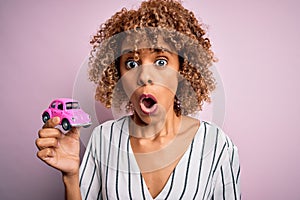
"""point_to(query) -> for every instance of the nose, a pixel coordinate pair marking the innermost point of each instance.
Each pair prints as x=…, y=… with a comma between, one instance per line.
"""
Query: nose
x=145, y=75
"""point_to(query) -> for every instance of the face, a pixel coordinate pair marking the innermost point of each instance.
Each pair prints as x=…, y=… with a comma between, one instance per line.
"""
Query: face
x=150, y=78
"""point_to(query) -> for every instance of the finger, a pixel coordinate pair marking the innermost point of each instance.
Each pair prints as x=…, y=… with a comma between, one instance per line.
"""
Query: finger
x=52, y=122
x=49, y=132
x=43, y=143
x=45, y=154
x=74, y=132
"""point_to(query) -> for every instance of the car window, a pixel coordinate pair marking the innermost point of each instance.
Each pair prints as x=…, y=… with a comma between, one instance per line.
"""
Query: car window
x=53, y=105
x=72, y=105
x=60, y=106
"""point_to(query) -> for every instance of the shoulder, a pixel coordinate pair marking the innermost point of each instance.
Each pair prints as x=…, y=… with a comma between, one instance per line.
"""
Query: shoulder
x=109, y=132
x=110, y=126
x=216, y=141
x=107, y=135
x=213, y=130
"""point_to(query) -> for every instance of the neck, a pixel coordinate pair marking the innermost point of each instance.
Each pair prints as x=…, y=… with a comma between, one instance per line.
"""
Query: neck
x=167, y=126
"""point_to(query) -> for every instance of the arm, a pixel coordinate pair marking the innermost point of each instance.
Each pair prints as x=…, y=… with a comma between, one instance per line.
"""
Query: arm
x=61, y=151
x=228, y=182
x=72, y=191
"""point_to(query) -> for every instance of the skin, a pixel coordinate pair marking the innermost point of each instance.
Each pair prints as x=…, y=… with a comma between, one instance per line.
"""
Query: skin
x=163, y=81
x=161, y=135
x=61, y=151
x=158, y=136
x=155, y=73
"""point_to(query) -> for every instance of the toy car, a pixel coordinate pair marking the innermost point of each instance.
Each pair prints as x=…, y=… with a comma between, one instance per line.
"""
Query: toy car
x=69, y=112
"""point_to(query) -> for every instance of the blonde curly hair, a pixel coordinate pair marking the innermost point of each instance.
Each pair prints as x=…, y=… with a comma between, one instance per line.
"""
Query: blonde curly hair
x=179, y=28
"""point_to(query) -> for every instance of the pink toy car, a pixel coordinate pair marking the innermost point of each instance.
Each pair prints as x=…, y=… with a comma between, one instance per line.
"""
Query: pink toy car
x=69, y=112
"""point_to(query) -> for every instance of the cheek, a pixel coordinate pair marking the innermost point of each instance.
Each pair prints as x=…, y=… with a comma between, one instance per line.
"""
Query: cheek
x=169, y=80
x=126, y=86
x=128, y=81
x=166, y=98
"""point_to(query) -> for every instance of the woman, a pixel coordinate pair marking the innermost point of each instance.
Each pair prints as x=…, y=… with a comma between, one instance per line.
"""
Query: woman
x=154, y=63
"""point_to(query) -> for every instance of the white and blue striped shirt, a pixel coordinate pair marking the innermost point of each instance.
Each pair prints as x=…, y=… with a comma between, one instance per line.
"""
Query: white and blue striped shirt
x=209, y=169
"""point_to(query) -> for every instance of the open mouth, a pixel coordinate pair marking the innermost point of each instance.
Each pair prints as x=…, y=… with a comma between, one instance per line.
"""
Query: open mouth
x=148, y=103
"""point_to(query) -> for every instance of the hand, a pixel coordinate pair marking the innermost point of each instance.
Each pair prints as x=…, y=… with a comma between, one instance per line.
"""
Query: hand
x=59, y=150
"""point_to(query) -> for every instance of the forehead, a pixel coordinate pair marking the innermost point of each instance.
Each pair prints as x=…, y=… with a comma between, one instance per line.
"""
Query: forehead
x=130, y=44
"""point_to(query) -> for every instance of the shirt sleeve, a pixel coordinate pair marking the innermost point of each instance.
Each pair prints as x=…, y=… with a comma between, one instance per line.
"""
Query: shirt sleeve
x=90, y=172
x=227, y=185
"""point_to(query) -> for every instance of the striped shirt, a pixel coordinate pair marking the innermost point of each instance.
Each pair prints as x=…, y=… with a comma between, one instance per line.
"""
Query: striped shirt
x=209, y=169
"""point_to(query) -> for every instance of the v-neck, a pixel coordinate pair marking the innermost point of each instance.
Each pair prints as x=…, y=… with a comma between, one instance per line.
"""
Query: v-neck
x=165, y=190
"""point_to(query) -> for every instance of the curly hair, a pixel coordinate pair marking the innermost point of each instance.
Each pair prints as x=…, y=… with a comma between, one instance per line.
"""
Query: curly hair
x=179, y=28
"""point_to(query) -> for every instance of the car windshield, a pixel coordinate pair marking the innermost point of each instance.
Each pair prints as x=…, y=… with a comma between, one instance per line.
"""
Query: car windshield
x=72, y=105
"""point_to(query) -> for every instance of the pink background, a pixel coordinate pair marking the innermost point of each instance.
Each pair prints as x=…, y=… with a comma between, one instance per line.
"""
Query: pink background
x=42, y=46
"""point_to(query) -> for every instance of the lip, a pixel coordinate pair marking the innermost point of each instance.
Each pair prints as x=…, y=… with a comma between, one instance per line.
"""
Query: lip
x=144, y=109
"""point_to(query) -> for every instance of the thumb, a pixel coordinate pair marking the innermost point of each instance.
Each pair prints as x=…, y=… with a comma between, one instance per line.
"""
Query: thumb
x=52, y=122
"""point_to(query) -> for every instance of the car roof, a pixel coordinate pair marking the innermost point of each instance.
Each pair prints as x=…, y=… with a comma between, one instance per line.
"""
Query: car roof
x=64, y=100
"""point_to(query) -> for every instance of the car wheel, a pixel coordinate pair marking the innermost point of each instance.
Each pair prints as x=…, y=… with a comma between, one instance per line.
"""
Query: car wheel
x=45, y=117
x=65, y=124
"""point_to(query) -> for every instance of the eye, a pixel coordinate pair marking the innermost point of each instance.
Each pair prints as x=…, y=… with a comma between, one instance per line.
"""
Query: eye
x=161, y=62
x=130, y=64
